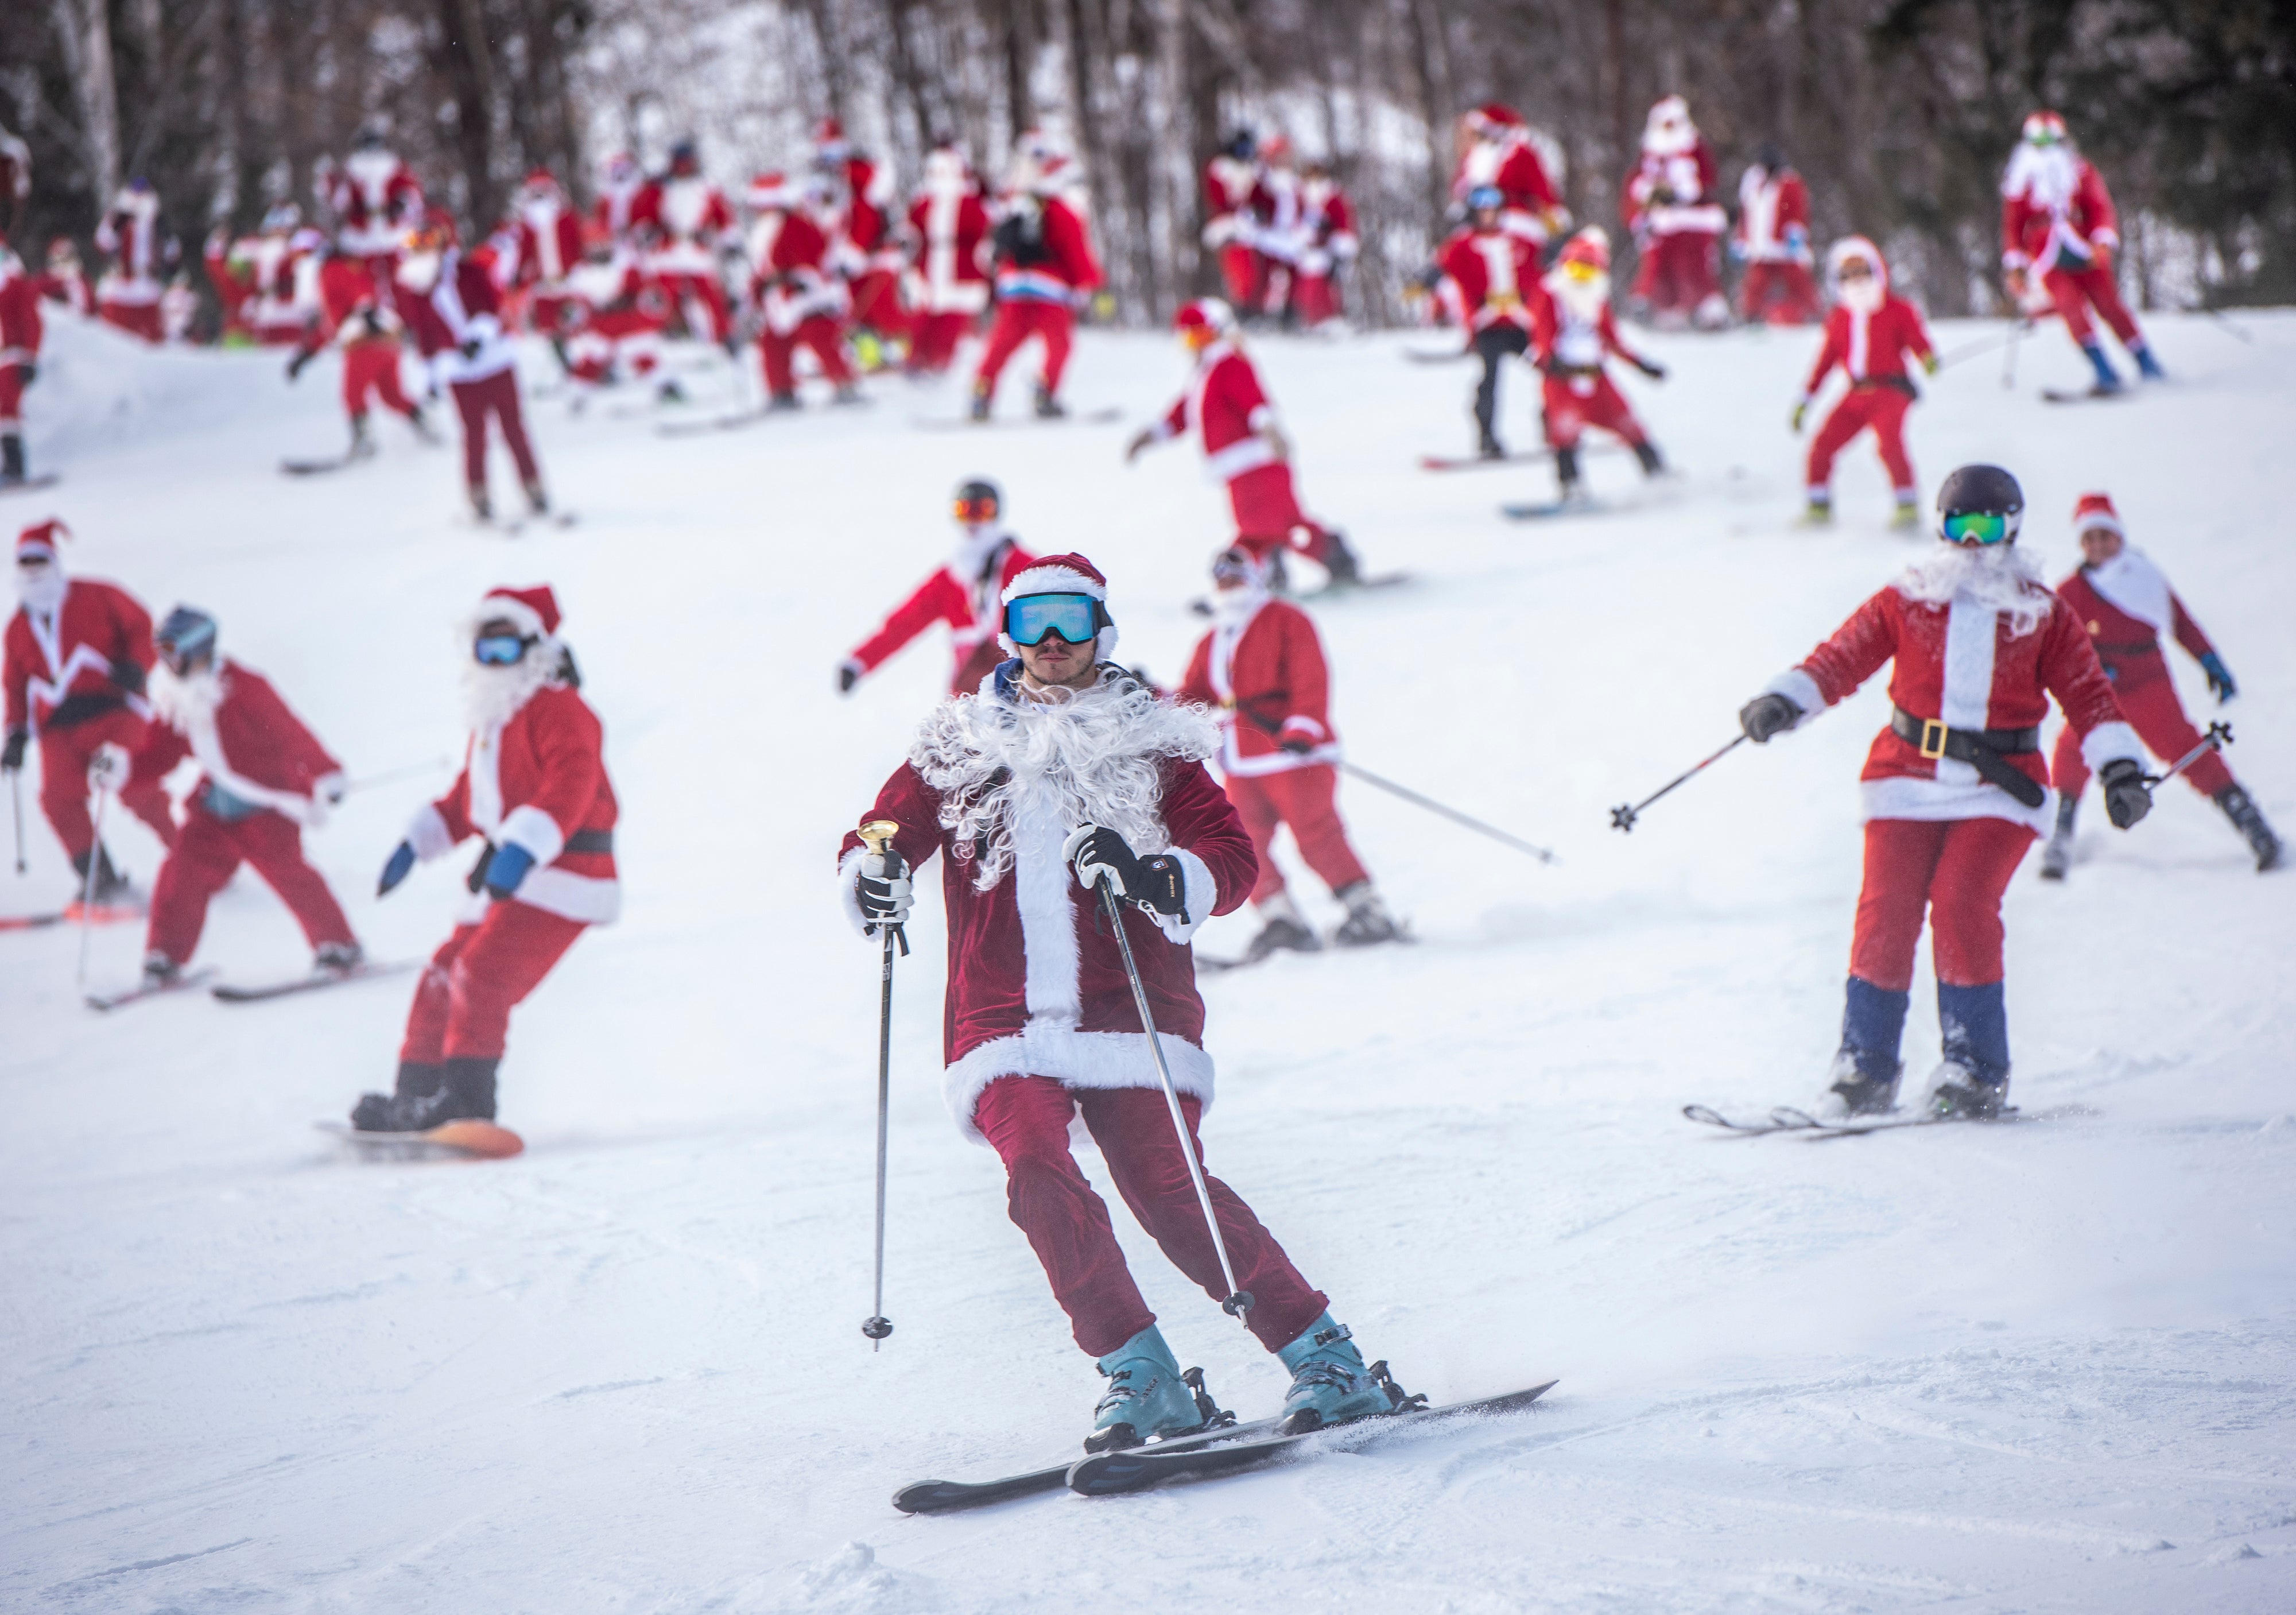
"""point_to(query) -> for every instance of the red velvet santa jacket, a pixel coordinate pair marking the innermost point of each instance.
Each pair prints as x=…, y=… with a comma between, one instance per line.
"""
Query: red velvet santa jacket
x=950, y=225
x=1058, y=266
x=251, y=744
x=536, y=780
x=2043, y=219
x=1672, y=193
x=1035, y=986
x=790, y=277
x=62, y=660
x=1771, y=205
x=1870, y=348
x=1224, y=397
x=1965, y=663
x=549, y=243
x=1527, y=195
x=20, y=329
x=969, y=605
x=681, y=215
x=1487, y=276
x=373, y=198
x=2125, y=604
x=1264, y=673
x=1234, y=201
x=1564, y=338
x=461, y=308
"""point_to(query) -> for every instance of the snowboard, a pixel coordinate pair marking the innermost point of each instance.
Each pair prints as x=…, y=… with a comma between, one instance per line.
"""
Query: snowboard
x=1437, y=355
x=263, y=992
x=1137, y=1469
x=28, y=485
x=1337, y=591
x=183, y=982
x=727, y=422
x=1082, y=417
x=465, y=1140
x=1555, y=507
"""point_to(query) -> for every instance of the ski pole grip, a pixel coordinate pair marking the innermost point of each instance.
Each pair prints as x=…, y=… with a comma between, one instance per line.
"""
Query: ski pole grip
x=878, y=835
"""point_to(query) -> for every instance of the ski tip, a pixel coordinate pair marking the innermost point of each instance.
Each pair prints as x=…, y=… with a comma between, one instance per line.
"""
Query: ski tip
x=1711, y=1116
x=929, y=1496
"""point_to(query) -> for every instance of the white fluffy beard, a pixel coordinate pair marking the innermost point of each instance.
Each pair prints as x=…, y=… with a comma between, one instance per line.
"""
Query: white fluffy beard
x=43, y=594
x=1584, y=298
x=1088, y=757
x=2001, y=576
x=184, y=703
x=491, y=696
x=2050, y=173
x=1232, y=606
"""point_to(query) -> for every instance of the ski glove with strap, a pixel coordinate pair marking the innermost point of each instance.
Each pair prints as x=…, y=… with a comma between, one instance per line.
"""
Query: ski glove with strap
x=1768, y=714
x=507, y=870
x=127, y=676
x=883, y=891
x=2126, y=797
x=1100, y=854
x=400, y=865
x=2220, y=683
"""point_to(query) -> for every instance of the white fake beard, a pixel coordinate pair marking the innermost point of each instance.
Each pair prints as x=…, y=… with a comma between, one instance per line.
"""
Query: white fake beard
x=974, y=547
x=2000, y=577
x=1864, y=295
x=1087, y=757
x=1232, y=606
x=1584, y=298
x=492, y=696
x=419, y=271
x=41, y=596
x=2048, y=174
x=184, y=702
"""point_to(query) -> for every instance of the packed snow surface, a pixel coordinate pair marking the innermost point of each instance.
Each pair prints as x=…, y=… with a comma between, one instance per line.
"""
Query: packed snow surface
x=2042, y=1367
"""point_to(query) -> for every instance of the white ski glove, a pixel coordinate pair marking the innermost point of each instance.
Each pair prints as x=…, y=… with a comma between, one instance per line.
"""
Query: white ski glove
x=109, y=768
x=884, y=894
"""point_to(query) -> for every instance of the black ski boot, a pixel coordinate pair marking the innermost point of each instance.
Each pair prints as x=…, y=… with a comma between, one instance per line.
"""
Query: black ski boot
x=1958, y=1093
x=1490, y=449
x=1860, y=1092
x=2241, y=809
x=1339, y=562
x=1368, y=920
x=1652, y=464
x=2057, y=856
x=1048, y=408
x=782, y=401
x=429, y=1095
x=160, y=970
x=538, y=498
x=1567, y=490
x=111, y=885
x=1284, y=929
x=11, y=459
x=338, y=958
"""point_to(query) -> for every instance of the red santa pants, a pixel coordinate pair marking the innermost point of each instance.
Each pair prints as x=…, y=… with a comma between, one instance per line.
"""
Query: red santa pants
x=1953, y=869
x=686, y=292
x=136, y=319
x=64, y=756
x=498, y=396
x=1017, y=319
x=1304, y=800
x=1269, y=517
x=933, y=340
x=1242, y=273
x=1574, y=403
x=12, y=398
x=2076, y=291
x=1677, y=271
x=1027, y=1119
x=208, y=851
x=1778, y=293
x=370, y=366
x=462, y=1003
x=2148, y=701
x=819, y=332
x=553, y=313
x=1315, y=298
x=1871, y=404
x=877, y=304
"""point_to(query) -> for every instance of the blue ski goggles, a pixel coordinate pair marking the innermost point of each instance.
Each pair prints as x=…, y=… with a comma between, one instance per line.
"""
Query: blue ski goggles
x=1077, y=619
x=499, y=650
x=1979, y=527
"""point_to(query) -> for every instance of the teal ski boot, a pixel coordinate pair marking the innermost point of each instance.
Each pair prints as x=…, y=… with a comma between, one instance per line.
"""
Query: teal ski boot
x=1330, y=1384
x=1148, y=1397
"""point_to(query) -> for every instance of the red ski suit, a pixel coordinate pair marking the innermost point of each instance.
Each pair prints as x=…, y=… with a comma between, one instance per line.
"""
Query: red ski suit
x=375, y=200
x=2125, y=604
x=1668, y=204
x=549, y=247
x=1266, y=676
x=682, y=218
x=801, y=302
x=20, y=331
x=458, y=325
x=361, y=322
x=264, y=776
x=1488, y=279
x=2067, y=235
x=1528, y=200
x=1569, y=349
x=1043, y=277
x=950, y=225
x=1327, y=221
x=1772, y=237
x=1235, y=205
x=1871, y=349
x=1224, y=400
x=969, y=605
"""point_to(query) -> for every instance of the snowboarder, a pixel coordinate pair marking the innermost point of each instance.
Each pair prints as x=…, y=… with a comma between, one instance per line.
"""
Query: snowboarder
x=1573, y=333
x=1496, y=149
x=1262, y=670
x=1954, y=789
x=455, y=314
x=681, y=216
x=963, y=593
x=20, y=332
x=1243, y=445
x=357, y=318
x=128, y=293
x=1045, y=271
x=1772, y=241
x=799, y=301
x=534, y=785
x=1066, y=772
x=1670, y=205
x=2127, y=603
x=949, y=225
x=79, y=655
x=1235, y=206
x=1868, y=333
x=265, y=779
x=1487, y=274
x=2058, y=225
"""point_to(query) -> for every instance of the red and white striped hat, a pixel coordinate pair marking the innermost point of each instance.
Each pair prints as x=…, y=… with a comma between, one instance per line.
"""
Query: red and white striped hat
x=2095, y=510
x=38, y=541
x=1069, y=574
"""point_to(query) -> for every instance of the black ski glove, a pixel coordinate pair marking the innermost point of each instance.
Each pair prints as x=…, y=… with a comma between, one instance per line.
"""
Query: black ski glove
x=2126, y=799
x=469, y=348
x=1654, y=371
x=27, y=372
x=1768, y=714
x=303, y=357
x=12, y=755
x=1100, y=854
x=127, y=676
x=847, y=676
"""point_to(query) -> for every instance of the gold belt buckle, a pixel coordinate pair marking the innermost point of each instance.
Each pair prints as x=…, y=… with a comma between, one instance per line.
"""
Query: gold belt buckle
x=1933, y=734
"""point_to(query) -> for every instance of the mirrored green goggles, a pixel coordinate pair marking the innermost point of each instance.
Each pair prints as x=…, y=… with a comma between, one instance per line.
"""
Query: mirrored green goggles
x=1978, y=526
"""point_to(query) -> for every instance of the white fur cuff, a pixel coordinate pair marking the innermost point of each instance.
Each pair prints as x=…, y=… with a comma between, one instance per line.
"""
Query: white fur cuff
x=535, y=831
x=848, y=888
x=2111, y=742
x=427, y=833
x=1799, y=687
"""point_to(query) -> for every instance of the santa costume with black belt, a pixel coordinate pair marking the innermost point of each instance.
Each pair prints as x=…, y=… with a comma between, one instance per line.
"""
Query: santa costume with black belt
x=1869, y=334
x=1063, y=773
x=456, y=312
x=1954, y=789
x=534, y=786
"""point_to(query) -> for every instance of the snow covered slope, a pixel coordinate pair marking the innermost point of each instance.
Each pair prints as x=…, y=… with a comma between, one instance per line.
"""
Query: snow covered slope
x=2048, y=1367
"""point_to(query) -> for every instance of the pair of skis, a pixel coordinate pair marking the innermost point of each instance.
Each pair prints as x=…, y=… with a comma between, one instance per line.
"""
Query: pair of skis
x=229, y=992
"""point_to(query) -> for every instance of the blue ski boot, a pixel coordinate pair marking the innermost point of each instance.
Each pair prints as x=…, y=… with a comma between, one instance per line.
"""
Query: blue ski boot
x=1147, y=1398
x=2108, y=379
x=2147, y=366
x=1330, y=1384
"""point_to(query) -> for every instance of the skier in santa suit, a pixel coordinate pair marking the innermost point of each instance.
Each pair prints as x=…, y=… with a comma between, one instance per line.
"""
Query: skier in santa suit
x=1496, y=150
x=127, y=293
x=375, y=202
x=950, y=227
x=1328, y=244
x=265, y=780
x=1488, y=274
x=1244, y=447
x=65, y=281
x=78, y=656
x=1065, y=772
x=549, y=247
x=619, y=180
x=1045, y=272
x=1955, y=787
x=1572, y=333
x=357, y=318
x=1772, y=241
x=274, y=276
x=21, y=331
x=455, y=314
x=534, y=787
x=799, y=302
x=1671, y=207
x=2058, y=225
x=1281, y=230
x=963, y=593
x=682, y=215
x=1262, y=670
x=868, y=252
x=1235, y=205
x=225, y=264
x=613, y=316
x=1870, y=333
x=2126, y=603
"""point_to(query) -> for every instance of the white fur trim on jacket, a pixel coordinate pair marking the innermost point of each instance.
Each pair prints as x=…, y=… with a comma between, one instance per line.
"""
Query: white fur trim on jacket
x=1074, y=1059
x=1800, y=688
x=586, y=900
x=1244, y=455
x=427, y=833
x=848, y=888
x=1198, y=893
x=2108, y=744
x=535, y=831
x=1899, y=796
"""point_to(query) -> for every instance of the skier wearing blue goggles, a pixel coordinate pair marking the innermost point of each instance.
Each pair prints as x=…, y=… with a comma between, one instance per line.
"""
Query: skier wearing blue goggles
x=1077, y=619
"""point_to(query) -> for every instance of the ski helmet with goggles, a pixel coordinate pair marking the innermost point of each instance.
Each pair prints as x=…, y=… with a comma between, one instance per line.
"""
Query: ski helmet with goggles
x=188, y=633
x=978, y=502
x=1485, y=196
x=1981, y=504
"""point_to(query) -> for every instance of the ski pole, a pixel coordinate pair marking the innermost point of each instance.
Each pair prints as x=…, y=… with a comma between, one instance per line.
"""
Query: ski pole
x=1623, y=818
x=2218, y=737
x=1542, y=854
x=1969, y=350
x=1239, y=1302
x=2224, y=320
x=878, y=835
x=16, y=796
x=88, y=891
x=2009, y=357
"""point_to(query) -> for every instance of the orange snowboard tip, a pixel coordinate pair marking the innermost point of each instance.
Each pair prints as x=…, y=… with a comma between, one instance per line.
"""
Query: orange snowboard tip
x=480, y=1138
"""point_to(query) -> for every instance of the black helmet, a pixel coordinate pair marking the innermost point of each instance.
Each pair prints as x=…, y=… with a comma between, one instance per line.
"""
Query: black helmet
x=1241, y=145
x=971, y=496
x=1981, y=490
x=1768, y=157
x=187, y=632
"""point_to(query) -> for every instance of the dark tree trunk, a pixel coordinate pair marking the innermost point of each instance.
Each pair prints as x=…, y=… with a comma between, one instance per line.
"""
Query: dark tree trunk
x=465, y=64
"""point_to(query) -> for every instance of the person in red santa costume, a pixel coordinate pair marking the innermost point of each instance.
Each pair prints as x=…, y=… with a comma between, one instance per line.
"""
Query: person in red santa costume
x=799, y=303
x=1045, y=272
x=864, y=244
x=1281, y=235
x=1955, y=787
x=2058, y=225
x=78, y=653
x=2125, y=601
x=549, y=250
x=1870, y=333
x=1244, y=446
x=682, y=215
x=268, y=282
x=534, y=786
x=63, y=280
x=1772, y=240
x=1488, y=276
x=613, y=319
x=128, y=293
x=963, y=593
x=21, y=331
x=1262, y=670
x=1496, y=150
x=1064, y=772
x=1235, y=206
x=456, y=313
x=1327, y=246
x=1670, y=206
x=375, y=200
x=265, y=780
x=949, y=227
x=357, y=318
x=1573, y=333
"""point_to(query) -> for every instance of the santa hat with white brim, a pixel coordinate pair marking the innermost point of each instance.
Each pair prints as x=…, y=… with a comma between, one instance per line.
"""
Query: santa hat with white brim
x=2096, y=510
x=534, y=609
x=1070, y=574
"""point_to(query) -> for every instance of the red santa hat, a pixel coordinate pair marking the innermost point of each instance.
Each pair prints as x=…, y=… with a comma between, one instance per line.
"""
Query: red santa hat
x=534, y=609
x=1857, y=247
x=1069, y=574
x=38, y=541
x=1494, y=118
x=772, y=189
x=1591, y=245
x=2096, y=510
x=1206, y=314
